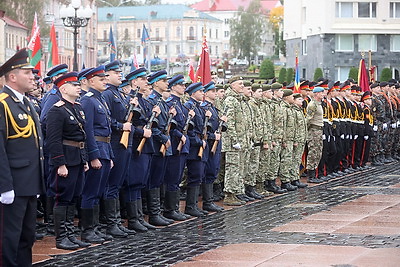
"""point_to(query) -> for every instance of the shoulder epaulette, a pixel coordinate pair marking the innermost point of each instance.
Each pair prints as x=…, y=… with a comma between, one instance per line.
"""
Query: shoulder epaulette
x=59, y=103
x=203, y=104
x=152, y=96
x=89, y=94
x=3, y=96
x=53, y=91
x=169, y=99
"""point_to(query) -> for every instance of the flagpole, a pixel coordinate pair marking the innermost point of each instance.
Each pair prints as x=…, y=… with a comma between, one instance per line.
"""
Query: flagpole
x=148, y=44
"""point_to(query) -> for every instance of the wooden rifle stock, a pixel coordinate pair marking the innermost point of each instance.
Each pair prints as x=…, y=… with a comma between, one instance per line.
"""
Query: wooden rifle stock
x=125, y=135
x=201, y=149
x=147, y=126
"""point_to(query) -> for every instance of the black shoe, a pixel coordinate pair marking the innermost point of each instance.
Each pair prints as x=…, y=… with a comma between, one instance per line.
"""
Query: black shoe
x=207, y=195
x=250, y=192
x=110, y=211
x=314, y=180
x=80, y=243
x=245, y=198
x=39, y=236
x=192, y=195
x=272, y=187
x=288, y=186
x=299, y=184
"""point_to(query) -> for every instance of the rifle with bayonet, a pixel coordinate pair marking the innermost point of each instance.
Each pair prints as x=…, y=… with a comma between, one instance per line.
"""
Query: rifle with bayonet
x=167, y=129
x=185, y=129
x=128, y=118
x=204, y=134
x=148, y=126
x=221, y=128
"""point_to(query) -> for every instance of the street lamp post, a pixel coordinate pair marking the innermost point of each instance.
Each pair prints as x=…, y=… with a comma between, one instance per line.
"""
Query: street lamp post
x=75, y=16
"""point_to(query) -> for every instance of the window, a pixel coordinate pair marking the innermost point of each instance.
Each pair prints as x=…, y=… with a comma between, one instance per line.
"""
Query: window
x=210, y=50
x=304, y=72
x=226, y=47
x=166, y=49
x=395, y=9
x=367, y=10
x=105, y=35
x=209, y=33
x=344, y=9
x=191, y=31
x=304, y=47
x=138, y=33
x=226, y=21
x=191, y=50
x=105, y=50
x=303, y=15
x=216, y=50
x=157, y=49
x=366, y=42
x=178, y=49
x=226, y=33
x=342, y=73
x=344, y=42
x=395, y=43
x=178, y=31
x=157, y=33
x=126, y=33
x=216, y=33
x=138, y=50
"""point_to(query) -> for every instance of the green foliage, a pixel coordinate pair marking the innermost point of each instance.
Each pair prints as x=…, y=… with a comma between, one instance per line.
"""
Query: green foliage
x=252, y=68
x=282, y=75
x=318, y=74
x=353, y=73
x=267, y=70
x=386, y=75
x=289, y=75
x=246, y=30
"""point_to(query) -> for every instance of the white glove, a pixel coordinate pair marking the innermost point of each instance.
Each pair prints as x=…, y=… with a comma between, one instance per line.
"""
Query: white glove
x=7, y=197
x=384, y=126
x=237, y=146
x=355, y=137
x=393, y=125
x=375, y=128
x=334, y=138
x=347, y=136
x=323, y=137
x=366, y=137
x=398, y=124
x=342, y=136
x=329, y=138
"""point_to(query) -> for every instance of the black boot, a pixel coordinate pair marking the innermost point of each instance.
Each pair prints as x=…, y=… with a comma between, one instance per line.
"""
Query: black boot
x=208, y=203
x=192, y=195
x=110, y=210
x=251, y=192
x=133, y=217
x=388, y=158
x=288, y=186
x=96, y=224
x=69, y=225
x=87, y=222
x=376, y=161
x=49, y=218
x=217, y=189
x=299, y=184
x=62, y=240
x=272, y=187
x=171, y=209
x=312, y=178
x=141, y=216
x=153, y=206
x=119, y=219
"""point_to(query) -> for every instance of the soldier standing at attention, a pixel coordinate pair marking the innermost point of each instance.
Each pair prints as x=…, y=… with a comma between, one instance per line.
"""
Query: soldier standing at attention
x=68, y=159
x=233, y=142
x=315, y=123
x=21, y=168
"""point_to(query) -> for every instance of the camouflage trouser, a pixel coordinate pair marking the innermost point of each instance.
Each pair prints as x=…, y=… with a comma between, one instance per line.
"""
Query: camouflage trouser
x=244, y=162
x=296, y=161
x=221, y=173
x=273, y=167
x=386, y=141
x=376, y=144
x=264, y=163
x=234, y=169
x=253, y=163
x=286, y=162
x=314, y=148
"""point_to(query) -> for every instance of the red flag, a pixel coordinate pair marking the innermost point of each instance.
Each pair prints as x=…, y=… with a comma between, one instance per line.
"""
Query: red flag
x=297, y=77
x=34, y=46
x=203, y=73
x=53, y=48
x=191, y=71
x=363, y=79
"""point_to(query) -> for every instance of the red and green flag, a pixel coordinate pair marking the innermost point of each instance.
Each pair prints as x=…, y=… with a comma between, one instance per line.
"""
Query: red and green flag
x=34, y=46
x=53, y=48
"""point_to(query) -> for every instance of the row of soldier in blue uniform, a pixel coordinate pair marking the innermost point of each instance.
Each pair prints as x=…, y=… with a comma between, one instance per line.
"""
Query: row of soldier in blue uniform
x=126, y=135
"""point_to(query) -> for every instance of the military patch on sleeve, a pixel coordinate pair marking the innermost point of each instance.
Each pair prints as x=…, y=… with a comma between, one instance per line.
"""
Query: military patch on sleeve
x=89, y=94
x=59, y=103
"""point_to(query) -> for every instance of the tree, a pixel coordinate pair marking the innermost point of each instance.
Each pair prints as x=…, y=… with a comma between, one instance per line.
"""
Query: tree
x=353, y=73
x=276, y=19
x=289, y=75
x=267, y=70
x=282, y=75
x=246, y=30
x=318, y=74
x=386, y=75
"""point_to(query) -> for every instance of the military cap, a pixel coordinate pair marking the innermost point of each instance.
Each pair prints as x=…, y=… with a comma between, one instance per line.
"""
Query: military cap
x=114, y=65
x=256, y=86
x=366, y=95
x=297, y=95
x=383, y=84
x=323, y=84
x=35, y=71
x=99, y=71
x=304, y=85
x=276, y=86
x=136, y=74
x=58, y=69
x=194, y=87
x=124, y=83
x=47, y=80
x=344, y=86
x=219, y=86
x=18, y=61
x=392, y=81
x=266, y=87
x=287, y=92
x=311, y=85
x=397, y=86
x=156, y=76
x=318, y=90
x=209, y=86
x=290, y=86
x=351, y=80
x=235, y=78
x=246, y=83
x=70, y=77
x=374, y=85
x=177, y=79
x=82, y=74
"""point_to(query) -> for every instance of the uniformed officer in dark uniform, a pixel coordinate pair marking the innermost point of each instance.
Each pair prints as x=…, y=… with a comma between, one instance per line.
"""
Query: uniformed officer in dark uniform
x=68, y=159
x=98, y=136
x=139, y=166
x=34, y=95
x=176, y=161
x=21, y=168
x=84, y=82
x=159, y=82
x=194, y=163
x=118, y=106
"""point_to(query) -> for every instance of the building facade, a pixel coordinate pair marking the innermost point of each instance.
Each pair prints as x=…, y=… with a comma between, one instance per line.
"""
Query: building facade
x=333, y=35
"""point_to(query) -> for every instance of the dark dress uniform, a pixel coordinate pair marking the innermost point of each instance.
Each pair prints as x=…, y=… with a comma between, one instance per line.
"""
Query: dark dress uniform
x=21, y=170
x=368, y=130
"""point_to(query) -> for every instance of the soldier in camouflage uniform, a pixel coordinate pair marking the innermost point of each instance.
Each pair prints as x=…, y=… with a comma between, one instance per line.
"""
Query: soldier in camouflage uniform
x=233, y=142
x=314, y=125
x=378, y=113
x=276, y=139
x=300, y=138
x=387, y=124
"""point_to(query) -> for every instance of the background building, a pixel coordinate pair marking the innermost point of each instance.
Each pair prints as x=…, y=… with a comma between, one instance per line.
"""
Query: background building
x=332, y=34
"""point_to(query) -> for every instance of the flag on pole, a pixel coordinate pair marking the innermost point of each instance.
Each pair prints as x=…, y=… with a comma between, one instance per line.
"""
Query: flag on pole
x=363, y=79
x=113, y=48
x=34, y=47
x=191, y=72
x=203, y=73
x=145, y=40
x=53, y=48
x=297, y=77
x=135, y=64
